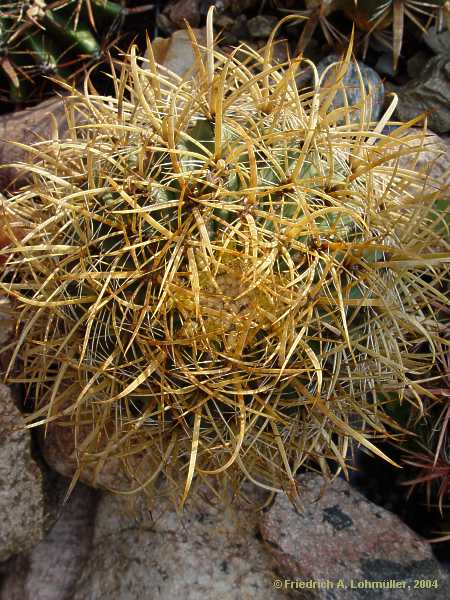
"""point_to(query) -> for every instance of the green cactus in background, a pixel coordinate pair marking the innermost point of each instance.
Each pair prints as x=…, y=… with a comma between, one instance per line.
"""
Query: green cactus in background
x=56, y=38
x=427, y=454
x=215, y=277
x=374, y=17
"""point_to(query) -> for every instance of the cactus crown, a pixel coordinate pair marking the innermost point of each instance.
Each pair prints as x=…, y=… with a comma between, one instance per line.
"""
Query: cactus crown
x=219, y=275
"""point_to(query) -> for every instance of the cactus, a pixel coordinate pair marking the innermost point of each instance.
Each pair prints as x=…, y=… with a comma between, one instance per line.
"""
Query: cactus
x=373, y=17
x=427, y=455
x=215, y=276
x=56, y=38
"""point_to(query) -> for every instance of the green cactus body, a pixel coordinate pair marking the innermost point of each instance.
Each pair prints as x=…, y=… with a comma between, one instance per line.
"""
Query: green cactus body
x=44, y=38
x=82, y=38
x=218, y=273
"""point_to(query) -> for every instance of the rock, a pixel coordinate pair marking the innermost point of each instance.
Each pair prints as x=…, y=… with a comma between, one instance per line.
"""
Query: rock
x=52, y=568
x=384, y=64
x=176, y=52
x=437, y=41
x=164, y=24
x=220, y=7
x=445, y=139
x=429, y=93
x=183, y=10
x=205, y=553
x=6, y=317
x=26, y=127
x=372, y=83
x=261, y=26
x=416, y=64
x=434, y=156
x=58, y=450
x=342, y=539
x=224, y=22
x=21, y=492
x=429, y=155
x=238, y=32
x=239, y=7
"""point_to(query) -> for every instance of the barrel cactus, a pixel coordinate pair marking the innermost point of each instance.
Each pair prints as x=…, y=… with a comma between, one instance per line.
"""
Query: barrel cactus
x=215, y=276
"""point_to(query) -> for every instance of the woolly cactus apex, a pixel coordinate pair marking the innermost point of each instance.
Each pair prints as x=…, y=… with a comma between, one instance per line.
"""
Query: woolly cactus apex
x=217, y=275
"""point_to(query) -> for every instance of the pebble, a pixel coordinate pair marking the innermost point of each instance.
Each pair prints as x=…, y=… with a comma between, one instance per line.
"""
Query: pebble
x=261, y=26
x=428, y=93
x=437, y=41
x=372, y=84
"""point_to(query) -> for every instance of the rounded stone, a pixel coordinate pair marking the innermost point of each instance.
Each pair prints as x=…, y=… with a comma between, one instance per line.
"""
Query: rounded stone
x=356, y=71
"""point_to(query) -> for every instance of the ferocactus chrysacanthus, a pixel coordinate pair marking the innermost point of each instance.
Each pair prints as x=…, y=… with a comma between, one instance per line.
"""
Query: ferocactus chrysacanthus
x=220, y=276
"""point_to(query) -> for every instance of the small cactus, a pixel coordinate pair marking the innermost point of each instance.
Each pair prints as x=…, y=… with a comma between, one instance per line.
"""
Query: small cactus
x=217, y=275
x=52, y=38
x=373, y=17
x=427, y=454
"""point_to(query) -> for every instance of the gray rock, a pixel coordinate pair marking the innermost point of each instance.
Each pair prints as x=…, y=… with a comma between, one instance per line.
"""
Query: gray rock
x=57, y=447
x=175, y=52
x=261, y=26
x=52, y=568
x=239, y=7
x=437, y=41
x=384, y=64
x=429, y=93
x=205, y=553
x=416, y=64
x=179, y=11
x=340, y=540
x=433, y=158
x=219, y=5
x=224, y=21
x=6, y=317
x=21, y=493
x=372, y=84
x=27, y=127
x=164, y=24
x=430, y=155
x=238, y=32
